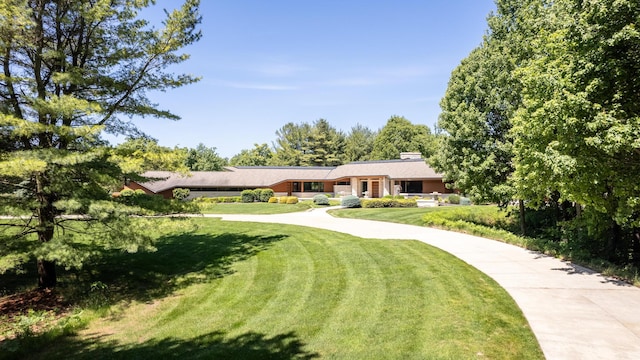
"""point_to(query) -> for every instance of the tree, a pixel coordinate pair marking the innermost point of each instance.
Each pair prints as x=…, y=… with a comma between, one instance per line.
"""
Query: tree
x=203, y=158
x=324, y=145
x=359, y=143
x=577, y=133
x=475, y=147
x=145, y=153
x=289, y=146
x=400, y=135
x=260, y=155
x=70, y=70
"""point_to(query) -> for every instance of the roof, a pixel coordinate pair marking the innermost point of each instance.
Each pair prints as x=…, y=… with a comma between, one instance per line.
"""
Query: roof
x=265, y=176
x=394, y=169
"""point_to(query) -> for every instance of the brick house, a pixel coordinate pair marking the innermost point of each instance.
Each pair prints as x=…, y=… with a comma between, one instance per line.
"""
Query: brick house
x=409, y=175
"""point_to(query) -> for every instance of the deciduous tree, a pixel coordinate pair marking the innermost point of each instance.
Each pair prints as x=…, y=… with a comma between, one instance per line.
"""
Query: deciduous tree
x=260, y=155
x=400, y=135
x=204, y=158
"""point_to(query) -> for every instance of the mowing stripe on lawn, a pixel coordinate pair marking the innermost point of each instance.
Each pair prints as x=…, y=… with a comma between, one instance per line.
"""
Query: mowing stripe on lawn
x=324, y=293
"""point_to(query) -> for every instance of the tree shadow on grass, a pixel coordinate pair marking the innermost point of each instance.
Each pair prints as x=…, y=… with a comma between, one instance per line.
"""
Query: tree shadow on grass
x=180, y=260
x=214, y=345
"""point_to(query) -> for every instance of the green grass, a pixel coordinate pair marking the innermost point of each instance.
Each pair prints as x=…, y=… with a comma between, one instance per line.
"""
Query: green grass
x=411, y=216
x=252, y=208
x=493, y=223
x=256, y=291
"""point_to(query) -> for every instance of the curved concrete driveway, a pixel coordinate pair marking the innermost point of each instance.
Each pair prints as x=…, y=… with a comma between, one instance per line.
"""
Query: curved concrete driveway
x=574, y=313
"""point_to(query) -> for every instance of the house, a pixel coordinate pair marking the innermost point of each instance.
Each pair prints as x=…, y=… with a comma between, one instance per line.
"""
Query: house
x=409, y=175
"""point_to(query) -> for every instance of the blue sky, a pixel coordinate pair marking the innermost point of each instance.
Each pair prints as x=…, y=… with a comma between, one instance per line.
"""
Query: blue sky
x=266, y=63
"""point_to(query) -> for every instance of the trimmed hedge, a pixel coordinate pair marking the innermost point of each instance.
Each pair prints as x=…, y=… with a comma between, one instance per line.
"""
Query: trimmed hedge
x=248, y=196
x=350, y=201
x=273, y=200
x=292, y=200
x=266, y=195
x=389, y=203
x=321, y=199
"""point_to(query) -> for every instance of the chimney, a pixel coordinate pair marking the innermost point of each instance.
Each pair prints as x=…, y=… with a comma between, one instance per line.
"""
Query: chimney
x=410, y=155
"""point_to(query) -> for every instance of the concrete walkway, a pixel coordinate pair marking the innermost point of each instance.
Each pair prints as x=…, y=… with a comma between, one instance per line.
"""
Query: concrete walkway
x=574, y=312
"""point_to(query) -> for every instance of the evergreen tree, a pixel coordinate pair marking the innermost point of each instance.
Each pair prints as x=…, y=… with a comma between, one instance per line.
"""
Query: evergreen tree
x=71, y=69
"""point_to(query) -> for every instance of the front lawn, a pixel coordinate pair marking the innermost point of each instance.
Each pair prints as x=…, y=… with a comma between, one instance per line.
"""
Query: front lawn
x=257, y=291
x=257, y=208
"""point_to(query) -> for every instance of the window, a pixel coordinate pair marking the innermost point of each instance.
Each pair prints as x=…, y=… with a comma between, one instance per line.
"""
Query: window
x=295, y=187
x=313, y=187
x=411, y=187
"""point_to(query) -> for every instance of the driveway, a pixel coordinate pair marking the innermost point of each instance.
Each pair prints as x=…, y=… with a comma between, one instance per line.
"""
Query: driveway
x=574, y=312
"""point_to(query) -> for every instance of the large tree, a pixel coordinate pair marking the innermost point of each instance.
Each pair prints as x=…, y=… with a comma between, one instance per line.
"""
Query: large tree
x=315, y=144
x=324, y=145
x=290, y=143
x=359, y=143
x=578, y=132
x=204, y=158
x=70, y=70
x=260, y=155
x=400, y=135
x=475, y=148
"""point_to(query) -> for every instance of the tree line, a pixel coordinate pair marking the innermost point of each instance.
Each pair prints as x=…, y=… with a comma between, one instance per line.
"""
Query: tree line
x=546, y=111
x=314, y=144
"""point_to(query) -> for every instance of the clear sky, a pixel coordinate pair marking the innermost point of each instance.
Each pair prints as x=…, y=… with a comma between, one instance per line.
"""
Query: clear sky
x=266, y=63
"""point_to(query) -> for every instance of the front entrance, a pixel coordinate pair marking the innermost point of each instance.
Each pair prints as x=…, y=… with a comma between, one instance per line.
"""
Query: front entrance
x=375, y=189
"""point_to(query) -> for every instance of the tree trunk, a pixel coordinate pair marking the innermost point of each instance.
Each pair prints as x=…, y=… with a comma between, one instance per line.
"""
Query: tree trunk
x=47, y=274
x=46, y=217
x=523, y=228
x=614, y=242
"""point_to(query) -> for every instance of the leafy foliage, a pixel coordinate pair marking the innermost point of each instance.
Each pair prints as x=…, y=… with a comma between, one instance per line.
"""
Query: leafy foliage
x=203, y=158
x=545, y=111
x=180, y=193
x=70, y=71
x=248, y=196
x=359, y=143
x=260, y=155
x=400, y=135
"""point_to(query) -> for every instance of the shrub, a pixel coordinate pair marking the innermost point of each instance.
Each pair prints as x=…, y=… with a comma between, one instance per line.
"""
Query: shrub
x=180, y=193
x=126, y=193
x=273, y=200
x=248, y=196
x=292, y=200
x=266, y=195
x=256, y=194
x=321, y=199
x=389, y=203
x=350, y=201
x=454, y=199
x=465, y=201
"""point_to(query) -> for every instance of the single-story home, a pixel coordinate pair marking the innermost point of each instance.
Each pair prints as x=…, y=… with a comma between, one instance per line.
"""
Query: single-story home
x=409, y=175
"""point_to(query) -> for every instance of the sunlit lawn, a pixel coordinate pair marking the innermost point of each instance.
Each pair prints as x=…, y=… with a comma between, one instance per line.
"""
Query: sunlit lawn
x=253, y=208
x=272, y=291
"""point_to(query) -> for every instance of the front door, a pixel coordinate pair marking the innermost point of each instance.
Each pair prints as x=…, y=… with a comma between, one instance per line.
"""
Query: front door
x=375, y=189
